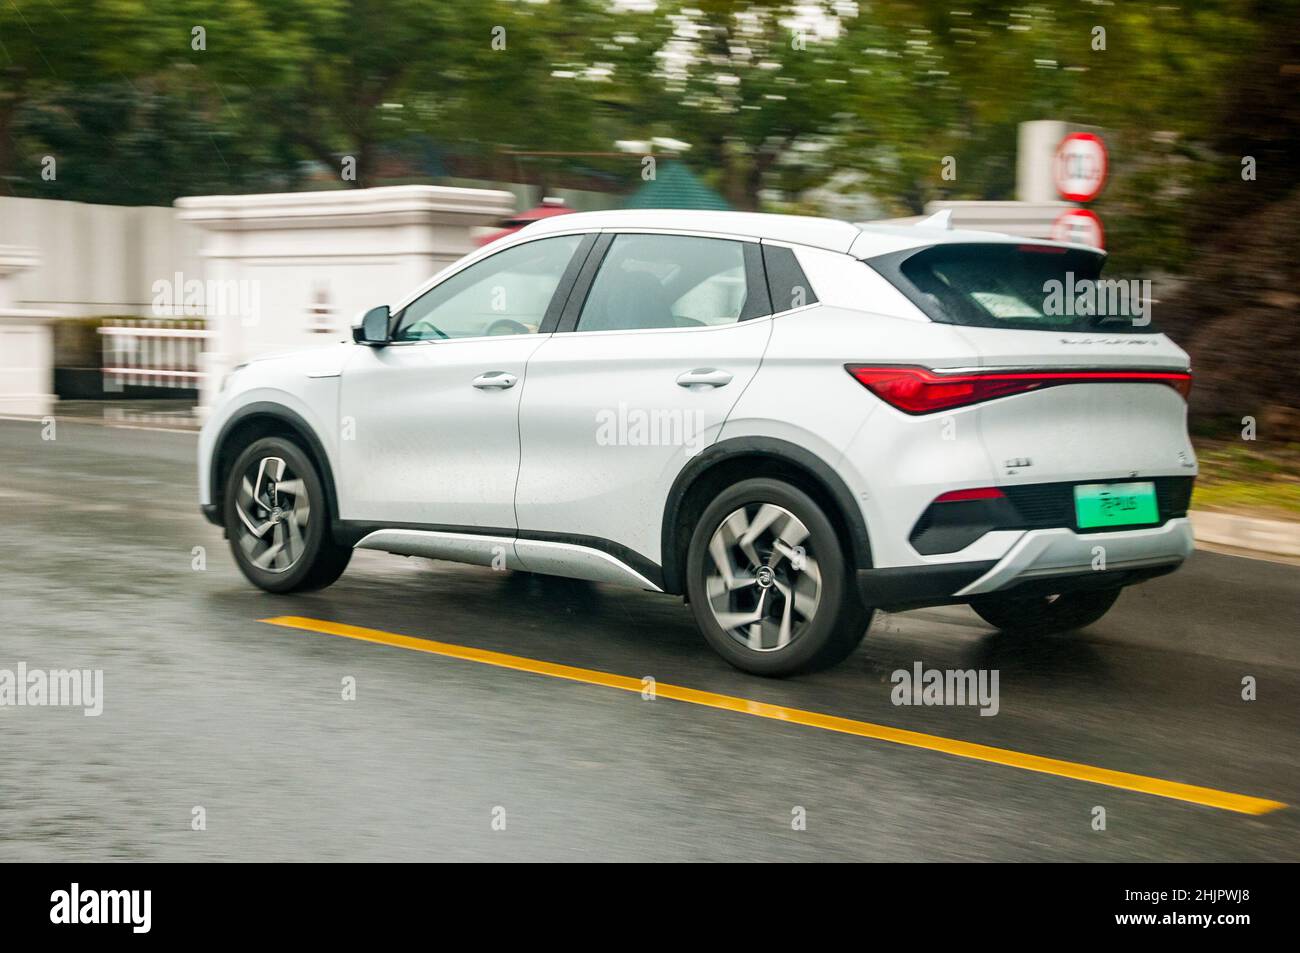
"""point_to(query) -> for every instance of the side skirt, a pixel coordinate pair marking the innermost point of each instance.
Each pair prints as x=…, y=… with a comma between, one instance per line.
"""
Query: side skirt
x=596, y=560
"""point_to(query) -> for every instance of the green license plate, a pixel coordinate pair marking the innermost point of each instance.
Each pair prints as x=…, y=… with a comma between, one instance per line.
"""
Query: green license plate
x=1115, y=504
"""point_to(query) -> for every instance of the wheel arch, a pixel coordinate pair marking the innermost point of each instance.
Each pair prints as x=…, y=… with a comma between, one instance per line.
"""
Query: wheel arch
x=729, y=461
x=266, y=419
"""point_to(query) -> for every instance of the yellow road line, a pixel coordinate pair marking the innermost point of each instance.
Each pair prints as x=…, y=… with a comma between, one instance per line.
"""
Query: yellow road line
x=1224, y=800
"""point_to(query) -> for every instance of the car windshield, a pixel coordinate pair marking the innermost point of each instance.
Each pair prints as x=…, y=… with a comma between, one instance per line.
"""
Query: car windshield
x=1022, y=286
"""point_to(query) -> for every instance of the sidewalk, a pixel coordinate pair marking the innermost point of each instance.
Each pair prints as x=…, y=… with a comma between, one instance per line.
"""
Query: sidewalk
x=165, y=414
x=1246, y=533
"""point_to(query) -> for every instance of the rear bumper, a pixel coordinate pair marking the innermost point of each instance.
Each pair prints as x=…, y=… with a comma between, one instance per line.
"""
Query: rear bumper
x=1048, y=553
x=952, y=526
x=913, y=587
x=1045, y=560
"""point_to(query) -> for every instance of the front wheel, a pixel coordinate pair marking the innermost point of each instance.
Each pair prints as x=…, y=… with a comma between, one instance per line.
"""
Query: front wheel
x=769, y=584
x=1044, y=615
x=277, y=520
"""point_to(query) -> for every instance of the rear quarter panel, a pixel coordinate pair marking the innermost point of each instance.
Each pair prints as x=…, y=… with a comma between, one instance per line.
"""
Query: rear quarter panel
x=893, y=463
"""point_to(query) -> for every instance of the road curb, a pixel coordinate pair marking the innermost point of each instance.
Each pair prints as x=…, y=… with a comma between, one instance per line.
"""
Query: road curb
x=1274, y=537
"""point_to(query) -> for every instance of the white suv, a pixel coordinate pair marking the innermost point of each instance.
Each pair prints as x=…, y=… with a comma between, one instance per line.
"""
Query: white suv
x=791, y=422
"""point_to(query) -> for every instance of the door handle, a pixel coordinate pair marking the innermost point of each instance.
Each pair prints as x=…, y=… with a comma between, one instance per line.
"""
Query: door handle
x=495, y=380
x=708, y=376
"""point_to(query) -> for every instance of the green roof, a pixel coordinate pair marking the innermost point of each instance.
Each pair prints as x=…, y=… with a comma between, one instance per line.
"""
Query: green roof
x=675, y=186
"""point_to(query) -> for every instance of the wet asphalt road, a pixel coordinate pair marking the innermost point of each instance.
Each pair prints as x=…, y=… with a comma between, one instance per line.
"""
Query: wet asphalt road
x=205, y=706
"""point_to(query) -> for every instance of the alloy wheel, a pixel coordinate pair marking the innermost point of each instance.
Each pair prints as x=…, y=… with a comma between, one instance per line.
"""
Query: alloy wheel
x=764, y=583
x=274, y=508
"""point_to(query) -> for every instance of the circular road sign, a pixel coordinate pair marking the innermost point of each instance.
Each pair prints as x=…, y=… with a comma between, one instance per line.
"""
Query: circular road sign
x=1080, y=167
x=1079, y=225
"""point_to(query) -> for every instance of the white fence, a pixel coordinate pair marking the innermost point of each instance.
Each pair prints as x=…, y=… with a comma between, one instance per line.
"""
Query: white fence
x=154, y=353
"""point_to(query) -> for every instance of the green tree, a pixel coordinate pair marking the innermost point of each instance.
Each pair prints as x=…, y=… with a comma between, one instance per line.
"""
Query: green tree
x=46, y=45
x=745, y=84
x=564, y=77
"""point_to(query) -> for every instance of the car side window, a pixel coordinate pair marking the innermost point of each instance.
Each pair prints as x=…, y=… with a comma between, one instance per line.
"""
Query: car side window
x=667, y=281
x=507, y=293
x=785, y=279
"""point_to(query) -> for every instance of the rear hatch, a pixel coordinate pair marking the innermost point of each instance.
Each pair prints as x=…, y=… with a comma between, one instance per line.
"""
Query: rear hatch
x=1093, y=390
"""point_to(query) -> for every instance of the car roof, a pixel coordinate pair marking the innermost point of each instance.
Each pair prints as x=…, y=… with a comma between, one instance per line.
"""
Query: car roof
x=862, y=240
x=794, y=229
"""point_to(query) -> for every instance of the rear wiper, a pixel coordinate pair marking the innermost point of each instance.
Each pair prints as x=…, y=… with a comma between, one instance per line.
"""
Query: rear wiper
x=1101, y=320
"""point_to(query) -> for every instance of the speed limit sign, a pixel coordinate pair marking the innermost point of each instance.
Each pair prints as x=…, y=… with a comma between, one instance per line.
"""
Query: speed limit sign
x=1080, y=167
x=1080, y=226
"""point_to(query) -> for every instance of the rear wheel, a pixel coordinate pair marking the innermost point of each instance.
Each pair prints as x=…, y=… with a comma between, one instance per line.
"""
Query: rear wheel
x=769, y=584
x=277, y=520
x=1043, y=615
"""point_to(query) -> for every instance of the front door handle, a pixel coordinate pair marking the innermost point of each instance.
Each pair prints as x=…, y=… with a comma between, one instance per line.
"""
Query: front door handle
x=495, y=380
x=708, y=376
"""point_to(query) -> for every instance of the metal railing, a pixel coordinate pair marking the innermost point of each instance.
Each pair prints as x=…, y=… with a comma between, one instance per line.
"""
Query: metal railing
x=150, y=352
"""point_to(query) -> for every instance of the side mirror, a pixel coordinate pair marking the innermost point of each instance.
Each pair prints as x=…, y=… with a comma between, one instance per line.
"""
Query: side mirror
x=373, y=329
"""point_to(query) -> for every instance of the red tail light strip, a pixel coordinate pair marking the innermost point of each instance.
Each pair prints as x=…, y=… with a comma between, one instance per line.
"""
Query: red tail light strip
x=978, y=493
x=918, y=390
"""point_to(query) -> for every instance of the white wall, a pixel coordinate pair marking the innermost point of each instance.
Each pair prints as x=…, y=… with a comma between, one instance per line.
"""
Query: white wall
x=26, y=344
x=307, y=263
x=1028, y=219
x=310, y=260
x=96, y=259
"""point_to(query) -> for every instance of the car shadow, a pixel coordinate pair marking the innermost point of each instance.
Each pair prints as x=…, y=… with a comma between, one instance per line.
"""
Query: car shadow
x=618, y=629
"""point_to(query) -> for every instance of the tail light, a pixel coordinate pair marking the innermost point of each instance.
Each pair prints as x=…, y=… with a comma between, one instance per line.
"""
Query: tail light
x=978, y=493
x=918, y=390
x=955, y=519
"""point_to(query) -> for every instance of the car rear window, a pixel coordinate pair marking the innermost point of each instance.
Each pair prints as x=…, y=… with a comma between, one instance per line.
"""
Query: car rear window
x=1026, y=287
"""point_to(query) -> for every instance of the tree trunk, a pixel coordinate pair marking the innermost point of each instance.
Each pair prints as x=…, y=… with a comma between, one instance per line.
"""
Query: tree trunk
x=8, y=156
x=750, y=177
x=363, y=152
x=738, y=170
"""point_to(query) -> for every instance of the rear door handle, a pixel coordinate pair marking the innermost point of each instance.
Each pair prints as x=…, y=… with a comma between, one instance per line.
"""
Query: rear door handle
x=495, y=380
x=708, y=376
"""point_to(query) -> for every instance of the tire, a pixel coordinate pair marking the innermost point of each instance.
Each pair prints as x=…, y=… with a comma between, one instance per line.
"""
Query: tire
x=809, y=618
x=1044, y=615
x=275, y=488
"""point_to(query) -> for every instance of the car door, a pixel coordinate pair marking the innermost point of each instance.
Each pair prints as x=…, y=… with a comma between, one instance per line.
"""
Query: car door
x=429, y=425
x=660, y=336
